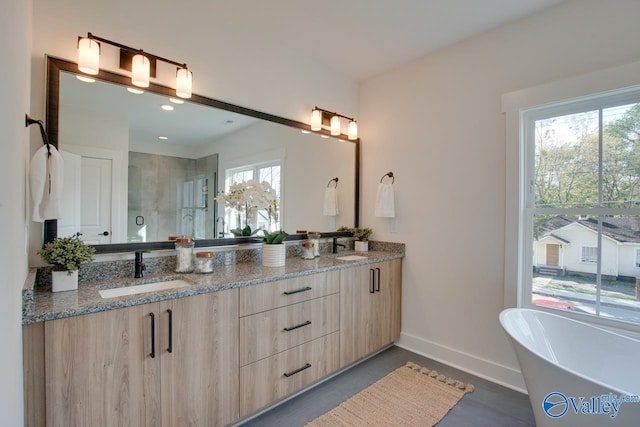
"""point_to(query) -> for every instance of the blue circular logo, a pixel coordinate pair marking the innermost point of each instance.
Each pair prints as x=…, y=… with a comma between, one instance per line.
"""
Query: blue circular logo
x=555, y=404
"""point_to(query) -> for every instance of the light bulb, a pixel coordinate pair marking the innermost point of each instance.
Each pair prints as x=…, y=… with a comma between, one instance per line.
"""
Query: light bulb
x=184, y=80
x=335, y=125
x=140, y=68
x=88, y=56
x=316, y=120
x=353, y=130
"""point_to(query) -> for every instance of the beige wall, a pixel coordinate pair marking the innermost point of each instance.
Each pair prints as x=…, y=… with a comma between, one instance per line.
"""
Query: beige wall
x=437, y=123
x=15, y=41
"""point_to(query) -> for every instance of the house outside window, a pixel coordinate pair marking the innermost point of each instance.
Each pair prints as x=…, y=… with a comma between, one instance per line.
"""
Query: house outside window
x=580, y=169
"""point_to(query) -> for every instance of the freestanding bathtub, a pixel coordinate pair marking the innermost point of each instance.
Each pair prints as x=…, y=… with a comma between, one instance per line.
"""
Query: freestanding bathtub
x=576, y=374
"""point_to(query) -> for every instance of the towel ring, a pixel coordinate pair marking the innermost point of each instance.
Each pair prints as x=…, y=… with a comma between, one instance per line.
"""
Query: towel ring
x=28, y=121
x=333, y=180
x=390, y=175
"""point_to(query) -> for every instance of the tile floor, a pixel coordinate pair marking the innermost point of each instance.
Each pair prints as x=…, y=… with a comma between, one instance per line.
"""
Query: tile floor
x=489, y=405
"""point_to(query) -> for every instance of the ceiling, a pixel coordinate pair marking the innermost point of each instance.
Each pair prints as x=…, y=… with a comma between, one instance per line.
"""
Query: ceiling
x=362, y=38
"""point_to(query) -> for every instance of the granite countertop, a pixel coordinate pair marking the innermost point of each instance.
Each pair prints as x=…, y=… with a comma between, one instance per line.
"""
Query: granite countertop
x=40, y=304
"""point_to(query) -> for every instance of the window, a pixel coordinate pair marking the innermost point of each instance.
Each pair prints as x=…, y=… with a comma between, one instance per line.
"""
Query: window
x=268, y=171
x=589, y=254
x=581, y=186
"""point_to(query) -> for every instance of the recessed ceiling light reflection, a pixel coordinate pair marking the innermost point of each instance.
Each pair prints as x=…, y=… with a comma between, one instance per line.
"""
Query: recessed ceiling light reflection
x=305, y=131
x=324, y=136
x=176, y=100
x=164, y=138
x=85, y=79
x=167, y=107
x=135, y=91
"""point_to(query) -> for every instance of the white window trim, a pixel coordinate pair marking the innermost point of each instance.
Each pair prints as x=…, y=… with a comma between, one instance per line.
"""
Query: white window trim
x=582, y=248
x=587, y=85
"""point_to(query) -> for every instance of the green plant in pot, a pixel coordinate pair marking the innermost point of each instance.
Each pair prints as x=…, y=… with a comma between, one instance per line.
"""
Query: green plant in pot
x=65, y=254
x=274, y=251
x=362, y=234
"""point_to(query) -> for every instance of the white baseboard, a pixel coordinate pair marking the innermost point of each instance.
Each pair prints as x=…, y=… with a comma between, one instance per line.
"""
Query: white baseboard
x=491, y=371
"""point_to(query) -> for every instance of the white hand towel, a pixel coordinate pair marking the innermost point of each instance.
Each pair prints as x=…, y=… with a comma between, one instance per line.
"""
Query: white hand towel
x=45, y=180
x=331, y=201
x=52, y=209
x=37, y=180
x=385, y=203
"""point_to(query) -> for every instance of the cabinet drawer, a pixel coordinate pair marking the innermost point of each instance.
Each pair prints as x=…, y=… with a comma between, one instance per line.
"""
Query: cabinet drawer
x=264, y=382
x=270, y=332
x=267, y=296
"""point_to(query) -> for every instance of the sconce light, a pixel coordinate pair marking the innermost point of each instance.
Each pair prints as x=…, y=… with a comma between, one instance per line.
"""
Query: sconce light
x=334, y=122
x=316, y=120
x=142, y=63
x=335, y=125
x=140, y=70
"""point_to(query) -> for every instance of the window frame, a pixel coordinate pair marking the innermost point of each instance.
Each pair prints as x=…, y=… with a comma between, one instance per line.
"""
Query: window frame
x=582, y=255
x=583, y=90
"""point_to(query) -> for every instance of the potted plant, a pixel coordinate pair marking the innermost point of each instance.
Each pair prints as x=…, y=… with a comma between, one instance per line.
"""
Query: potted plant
x=65, y=254
x=362, y=234
x=274, y=251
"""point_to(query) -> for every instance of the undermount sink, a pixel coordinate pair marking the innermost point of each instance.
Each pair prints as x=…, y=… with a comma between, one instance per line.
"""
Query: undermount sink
x=140, y=289
x=351, y=258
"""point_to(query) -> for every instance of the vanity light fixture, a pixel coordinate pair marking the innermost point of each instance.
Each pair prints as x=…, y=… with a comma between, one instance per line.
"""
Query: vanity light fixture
x=142, y=63
x=320, y=116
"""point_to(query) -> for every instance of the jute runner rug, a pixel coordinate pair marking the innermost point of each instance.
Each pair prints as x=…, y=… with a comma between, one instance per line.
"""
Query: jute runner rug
x=409, y=396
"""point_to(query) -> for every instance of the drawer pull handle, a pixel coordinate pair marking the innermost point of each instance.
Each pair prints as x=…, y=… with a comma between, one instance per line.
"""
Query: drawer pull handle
x=288, y=374
x=308, y=322
x=297, y=291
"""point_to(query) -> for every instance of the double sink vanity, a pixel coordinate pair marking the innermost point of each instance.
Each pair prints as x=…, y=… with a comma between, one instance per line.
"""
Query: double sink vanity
x=196, y=349
x=208, y=349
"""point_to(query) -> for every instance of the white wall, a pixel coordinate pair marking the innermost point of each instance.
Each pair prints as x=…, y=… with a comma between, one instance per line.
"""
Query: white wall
x=15, y=42
x=437, y=123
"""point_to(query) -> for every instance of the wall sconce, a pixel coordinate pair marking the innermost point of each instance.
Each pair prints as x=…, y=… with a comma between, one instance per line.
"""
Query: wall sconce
x=320, y=116
x=142, y=63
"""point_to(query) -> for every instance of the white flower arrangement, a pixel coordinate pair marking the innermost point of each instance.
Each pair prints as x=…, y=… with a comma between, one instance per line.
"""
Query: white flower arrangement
x=251, y=195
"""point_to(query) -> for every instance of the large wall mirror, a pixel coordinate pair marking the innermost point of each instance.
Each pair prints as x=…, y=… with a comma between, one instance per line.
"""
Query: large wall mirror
x=140, y=168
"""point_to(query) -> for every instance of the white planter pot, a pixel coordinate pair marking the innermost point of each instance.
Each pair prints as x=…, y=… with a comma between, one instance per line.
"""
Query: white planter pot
x=274, y=255
x=361, y=246
x=61, y=281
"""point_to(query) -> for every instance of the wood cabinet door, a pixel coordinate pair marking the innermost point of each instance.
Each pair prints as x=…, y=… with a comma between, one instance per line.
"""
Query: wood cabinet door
x=369, y=309
x=391, y=295
x=358, y=317
x=200, y=365
x=99, y=370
